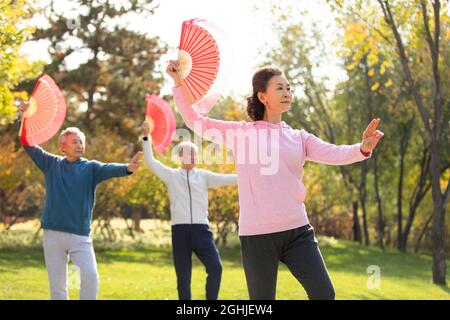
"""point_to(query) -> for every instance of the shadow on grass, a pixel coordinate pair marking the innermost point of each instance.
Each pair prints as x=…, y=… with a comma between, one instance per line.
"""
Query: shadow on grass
x=12, y=260
x=340, y=257
x=162, y=256
x=157, y=256
x=355, y=259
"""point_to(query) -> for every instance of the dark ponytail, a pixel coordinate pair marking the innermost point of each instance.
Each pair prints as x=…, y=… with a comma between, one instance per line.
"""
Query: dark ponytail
x=260, y=80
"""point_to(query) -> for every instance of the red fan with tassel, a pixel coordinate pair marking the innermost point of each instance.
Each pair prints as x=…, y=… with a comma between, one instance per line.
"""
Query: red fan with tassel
x=201, y=62
x=162, y=123
x=45, y=114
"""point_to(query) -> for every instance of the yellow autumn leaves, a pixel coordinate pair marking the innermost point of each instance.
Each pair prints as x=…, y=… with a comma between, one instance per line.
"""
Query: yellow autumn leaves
x=362, y=47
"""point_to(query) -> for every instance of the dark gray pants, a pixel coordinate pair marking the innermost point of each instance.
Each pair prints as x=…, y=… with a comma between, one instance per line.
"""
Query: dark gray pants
x=298, y=250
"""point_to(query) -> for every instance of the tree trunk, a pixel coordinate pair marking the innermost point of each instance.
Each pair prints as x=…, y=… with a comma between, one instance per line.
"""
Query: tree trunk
x=422, y=233
x=2, y=203
x=417, y=196
x=357, y=237
x=93, y=88
x=438, y=223
x=380, y=220
x=136, y=216
x=400, y=239
x=369, y=102
x=406, y=130
x=363, y=203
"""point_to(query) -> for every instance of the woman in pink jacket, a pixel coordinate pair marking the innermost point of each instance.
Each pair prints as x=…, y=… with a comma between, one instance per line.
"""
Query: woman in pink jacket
x=269, y=156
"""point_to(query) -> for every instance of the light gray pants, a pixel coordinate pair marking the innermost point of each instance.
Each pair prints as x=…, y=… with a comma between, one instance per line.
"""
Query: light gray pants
x=59, y=248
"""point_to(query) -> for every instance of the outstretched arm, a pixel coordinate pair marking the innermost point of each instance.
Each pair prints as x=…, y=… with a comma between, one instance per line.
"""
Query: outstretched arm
x=218, y=179
x=104, y=171
x=317, y=150
x=203, y=126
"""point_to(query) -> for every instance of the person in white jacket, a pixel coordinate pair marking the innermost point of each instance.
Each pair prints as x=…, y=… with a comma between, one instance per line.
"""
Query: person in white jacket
x=188, y=193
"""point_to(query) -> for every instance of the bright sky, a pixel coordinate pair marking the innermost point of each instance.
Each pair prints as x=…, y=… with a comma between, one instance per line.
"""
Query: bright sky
x=249, y=31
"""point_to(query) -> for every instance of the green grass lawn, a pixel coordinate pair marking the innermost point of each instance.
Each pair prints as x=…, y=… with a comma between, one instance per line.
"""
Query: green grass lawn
x=146, y=272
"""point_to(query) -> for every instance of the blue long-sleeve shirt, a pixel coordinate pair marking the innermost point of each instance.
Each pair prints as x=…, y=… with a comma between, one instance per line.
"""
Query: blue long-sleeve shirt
x=70, y=189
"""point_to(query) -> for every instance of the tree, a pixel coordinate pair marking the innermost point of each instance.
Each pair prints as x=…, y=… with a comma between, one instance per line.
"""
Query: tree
x=14, y=67
x=433, y=119
x=21, y=185
x=371, y=62
x=107, y=88
x=406, y=29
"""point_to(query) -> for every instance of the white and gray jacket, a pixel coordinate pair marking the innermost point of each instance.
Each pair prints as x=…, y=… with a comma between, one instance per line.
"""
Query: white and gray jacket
x=188, y=190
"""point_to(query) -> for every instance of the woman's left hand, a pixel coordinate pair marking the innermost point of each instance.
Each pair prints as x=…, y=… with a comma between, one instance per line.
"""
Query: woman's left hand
x=371, y=136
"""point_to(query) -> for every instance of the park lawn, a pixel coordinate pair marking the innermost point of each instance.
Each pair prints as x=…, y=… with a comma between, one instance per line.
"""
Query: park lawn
x=148, y=273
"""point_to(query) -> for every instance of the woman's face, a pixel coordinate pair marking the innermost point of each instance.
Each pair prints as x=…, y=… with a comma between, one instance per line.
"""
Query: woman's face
x=278, y=95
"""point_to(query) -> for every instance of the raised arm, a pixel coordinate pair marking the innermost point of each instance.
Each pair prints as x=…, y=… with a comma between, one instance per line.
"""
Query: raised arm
x=40, y=157
x=159, y=169
x=201, y=125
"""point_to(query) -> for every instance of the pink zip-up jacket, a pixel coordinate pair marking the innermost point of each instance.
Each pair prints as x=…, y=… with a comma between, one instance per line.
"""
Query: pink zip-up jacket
x=269, y=164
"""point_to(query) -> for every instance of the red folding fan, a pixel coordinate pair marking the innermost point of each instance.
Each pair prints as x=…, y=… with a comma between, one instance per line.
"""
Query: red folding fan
x=200, y=61
x=45, y=114
x=162, y=123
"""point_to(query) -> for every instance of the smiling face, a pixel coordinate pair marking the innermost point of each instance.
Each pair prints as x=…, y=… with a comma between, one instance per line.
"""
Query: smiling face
x=278, y=96
x=73, y=146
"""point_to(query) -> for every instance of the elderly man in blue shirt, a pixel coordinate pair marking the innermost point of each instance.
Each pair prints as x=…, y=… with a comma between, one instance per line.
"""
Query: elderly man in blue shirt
x=70, y=184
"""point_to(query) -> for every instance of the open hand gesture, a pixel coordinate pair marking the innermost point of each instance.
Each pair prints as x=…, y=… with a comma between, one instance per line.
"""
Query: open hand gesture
x=371, y=136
